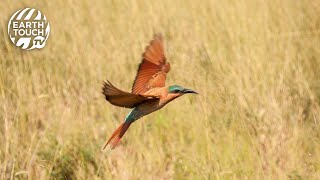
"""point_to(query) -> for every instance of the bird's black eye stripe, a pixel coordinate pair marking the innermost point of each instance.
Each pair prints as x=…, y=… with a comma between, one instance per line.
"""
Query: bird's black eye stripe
x=176, y=90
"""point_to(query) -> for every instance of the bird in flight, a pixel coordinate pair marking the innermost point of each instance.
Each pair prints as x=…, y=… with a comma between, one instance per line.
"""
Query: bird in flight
x=149, y=92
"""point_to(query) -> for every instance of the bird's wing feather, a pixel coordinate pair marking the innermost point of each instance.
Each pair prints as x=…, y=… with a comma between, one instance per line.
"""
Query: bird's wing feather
x=123, y=99
x=153, y=68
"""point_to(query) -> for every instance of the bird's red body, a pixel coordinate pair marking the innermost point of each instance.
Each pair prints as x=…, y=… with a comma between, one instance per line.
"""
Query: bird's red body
x=149, y=92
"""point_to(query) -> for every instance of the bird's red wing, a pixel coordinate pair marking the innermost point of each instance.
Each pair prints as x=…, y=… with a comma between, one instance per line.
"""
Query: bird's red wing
x=153, y=69
x=123, y=99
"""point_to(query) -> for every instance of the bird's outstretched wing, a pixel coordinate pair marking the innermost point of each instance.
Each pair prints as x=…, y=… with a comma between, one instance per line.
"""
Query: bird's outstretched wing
x=153, y=69
x=123, y=99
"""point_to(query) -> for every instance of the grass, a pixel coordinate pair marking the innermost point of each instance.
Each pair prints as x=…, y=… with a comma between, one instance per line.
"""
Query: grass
x=256, y=65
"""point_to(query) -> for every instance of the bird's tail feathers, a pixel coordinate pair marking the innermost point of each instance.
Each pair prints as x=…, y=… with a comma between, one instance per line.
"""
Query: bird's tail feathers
x=117, y=135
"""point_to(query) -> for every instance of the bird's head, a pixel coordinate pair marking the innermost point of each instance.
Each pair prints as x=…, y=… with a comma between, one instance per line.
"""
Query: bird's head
x=179, y=91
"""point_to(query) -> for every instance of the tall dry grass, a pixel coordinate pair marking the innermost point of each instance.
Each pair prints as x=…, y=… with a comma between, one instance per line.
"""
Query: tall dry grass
x=256, y=65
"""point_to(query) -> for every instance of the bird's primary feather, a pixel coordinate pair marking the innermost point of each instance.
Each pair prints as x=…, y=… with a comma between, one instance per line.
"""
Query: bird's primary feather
x=123, y=99
x=153, y=69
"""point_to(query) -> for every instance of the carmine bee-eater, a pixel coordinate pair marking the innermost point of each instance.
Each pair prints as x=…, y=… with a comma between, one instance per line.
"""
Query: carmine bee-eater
x=149, y=92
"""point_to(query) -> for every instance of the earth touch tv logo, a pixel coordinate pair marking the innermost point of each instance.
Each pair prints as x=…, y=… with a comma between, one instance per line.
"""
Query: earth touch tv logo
x=28, y=28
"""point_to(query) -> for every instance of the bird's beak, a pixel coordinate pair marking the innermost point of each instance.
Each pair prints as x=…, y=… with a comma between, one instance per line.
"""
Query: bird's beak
x=185, y=91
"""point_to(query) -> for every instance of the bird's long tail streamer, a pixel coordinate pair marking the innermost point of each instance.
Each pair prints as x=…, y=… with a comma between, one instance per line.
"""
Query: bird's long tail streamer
x=117, y=135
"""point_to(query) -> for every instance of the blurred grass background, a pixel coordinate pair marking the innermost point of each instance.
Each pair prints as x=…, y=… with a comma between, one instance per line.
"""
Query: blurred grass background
x=256, y=65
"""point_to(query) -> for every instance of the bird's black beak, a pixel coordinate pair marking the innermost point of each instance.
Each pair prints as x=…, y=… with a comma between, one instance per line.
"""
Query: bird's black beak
x=185, y=91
